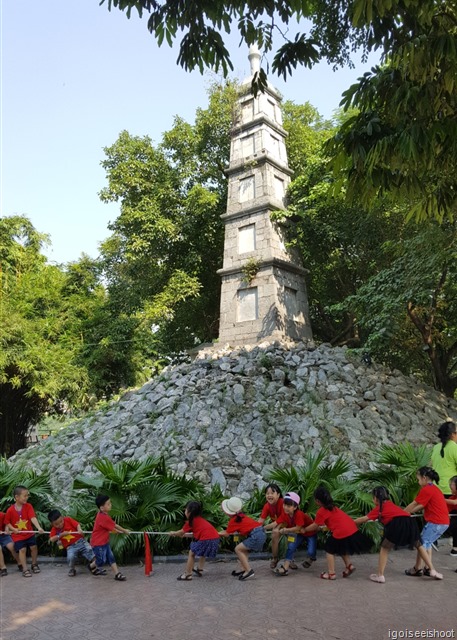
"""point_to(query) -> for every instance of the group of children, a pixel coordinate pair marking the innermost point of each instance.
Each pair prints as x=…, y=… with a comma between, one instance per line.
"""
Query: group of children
x=17, y=535
x=279, y=515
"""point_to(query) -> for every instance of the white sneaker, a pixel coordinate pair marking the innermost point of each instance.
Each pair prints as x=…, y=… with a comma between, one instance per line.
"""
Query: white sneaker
x=375, y=578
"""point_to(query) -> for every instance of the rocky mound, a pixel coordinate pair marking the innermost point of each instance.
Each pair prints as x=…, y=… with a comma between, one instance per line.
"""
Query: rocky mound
x=230, y=416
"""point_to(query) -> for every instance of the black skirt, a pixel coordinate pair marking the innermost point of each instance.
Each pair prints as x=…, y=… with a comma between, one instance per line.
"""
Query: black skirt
x=357, y=543
x=402, y=531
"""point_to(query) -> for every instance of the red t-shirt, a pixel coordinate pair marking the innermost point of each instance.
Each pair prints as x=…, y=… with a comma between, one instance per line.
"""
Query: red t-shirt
x=244, y=527
x=298, y=519
x=103, y=526
x=450, y=507
x=2, y=521
x=435, y=507
x=389, y=512
x=21, y=519
x=272, y=511
x=201, y=528
x=340, y=524
x=68, y=525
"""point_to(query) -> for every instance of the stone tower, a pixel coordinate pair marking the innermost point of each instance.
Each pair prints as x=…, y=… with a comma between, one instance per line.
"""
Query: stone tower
x=263, y=294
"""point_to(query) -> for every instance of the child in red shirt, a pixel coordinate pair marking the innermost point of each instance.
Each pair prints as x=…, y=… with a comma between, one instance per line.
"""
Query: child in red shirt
x=436, y=515
x=345, y=540
x=69, y=535
x=103, y=526
x=291, y=523
x=6, y=542
x=205, y=543
x=400, y=530
x=272, y=509
x=20, y=519
x=245, y=526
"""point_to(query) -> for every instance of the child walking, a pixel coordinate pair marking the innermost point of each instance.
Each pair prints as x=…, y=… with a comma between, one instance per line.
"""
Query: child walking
x=436, y=515
x=291, y=523
x=272, y=509
x=400, y=530
x=68, y=533
x=20, y=519
x=345, y=540
x=6, y=542
x=103, y=526
x=205, y=543
x=245, y=526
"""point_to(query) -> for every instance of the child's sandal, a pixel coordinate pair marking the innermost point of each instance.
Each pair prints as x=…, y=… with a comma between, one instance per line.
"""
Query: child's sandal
x=35, y=568
x=198, y=572
x=281, y=572
x=293, y=565
x=120, y=577
x=349, y=569
x=26, y=574
x=185, y=577
x=328, y=576
x=414, y=572
x=274, y=563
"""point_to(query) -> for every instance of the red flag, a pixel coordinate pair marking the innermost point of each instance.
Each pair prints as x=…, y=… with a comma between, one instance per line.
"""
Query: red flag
x=147, y=556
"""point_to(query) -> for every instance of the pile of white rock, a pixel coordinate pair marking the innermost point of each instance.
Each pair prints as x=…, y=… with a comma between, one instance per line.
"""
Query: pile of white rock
x=230, y=416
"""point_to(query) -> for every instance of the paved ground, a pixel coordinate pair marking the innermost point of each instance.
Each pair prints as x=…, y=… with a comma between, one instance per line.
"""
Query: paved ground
x=52, y=606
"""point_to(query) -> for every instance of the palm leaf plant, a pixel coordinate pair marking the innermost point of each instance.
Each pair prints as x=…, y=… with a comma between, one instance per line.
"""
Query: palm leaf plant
x=395, y=469
x=145, y=497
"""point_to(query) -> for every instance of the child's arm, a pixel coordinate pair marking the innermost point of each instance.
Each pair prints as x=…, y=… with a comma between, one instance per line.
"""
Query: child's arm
x=224, y=534
x=37, y=525
x=310, y=528
x=451, y=501
x=361, y=520
x=120, y=529
x=79, y=529
x=177, y=534
x=413, y=507
x=270, y=526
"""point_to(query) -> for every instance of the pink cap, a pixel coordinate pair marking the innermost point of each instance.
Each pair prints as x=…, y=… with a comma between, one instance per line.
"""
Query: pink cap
x=293, y=496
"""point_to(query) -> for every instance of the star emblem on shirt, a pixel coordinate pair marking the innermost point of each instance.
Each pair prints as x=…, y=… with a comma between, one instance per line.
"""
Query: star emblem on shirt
x=21, y=525
x=68, y=537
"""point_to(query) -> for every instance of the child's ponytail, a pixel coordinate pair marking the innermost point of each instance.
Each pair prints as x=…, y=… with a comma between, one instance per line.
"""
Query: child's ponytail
x=381, y=494
x=428, y=472
x=324, y=497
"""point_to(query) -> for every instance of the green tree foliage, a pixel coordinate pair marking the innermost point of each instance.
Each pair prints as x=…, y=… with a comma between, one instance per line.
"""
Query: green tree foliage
x=37, y=366
x=403, y=141
x=161, y=260
x=408, y=309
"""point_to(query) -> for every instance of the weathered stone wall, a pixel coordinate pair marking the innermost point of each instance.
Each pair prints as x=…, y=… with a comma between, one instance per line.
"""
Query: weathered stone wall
x=230, y=416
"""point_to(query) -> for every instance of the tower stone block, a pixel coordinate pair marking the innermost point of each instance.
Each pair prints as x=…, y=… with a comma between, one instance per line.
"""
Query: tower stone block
x=263, y=293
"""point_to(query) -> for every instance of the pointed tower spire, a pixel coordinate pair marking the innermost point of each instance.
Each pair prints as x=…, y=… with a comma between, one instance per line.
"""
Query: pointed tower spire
x=263, y=295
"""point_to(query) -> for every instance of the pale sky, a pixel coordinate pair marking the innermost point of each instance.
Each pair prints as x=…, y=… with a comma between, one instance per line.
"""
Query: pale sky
x=73, y=76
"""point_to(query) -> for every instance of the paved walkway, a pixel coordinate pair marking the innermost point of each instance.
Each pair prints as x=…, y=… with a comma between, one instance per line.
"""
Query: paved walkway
x=53, y=606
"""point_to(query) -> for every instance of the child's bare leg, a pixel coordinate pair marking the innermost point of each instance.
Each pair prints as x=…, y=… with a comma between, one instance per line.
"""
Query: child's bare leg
x=190, y=563
x=201, y=563
x=242, y=555
x=2, y=560
x=275, y=536
x=23, y=558
x=382, y=560
x=11, y=549
x=34, y=554
x=330, y=562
